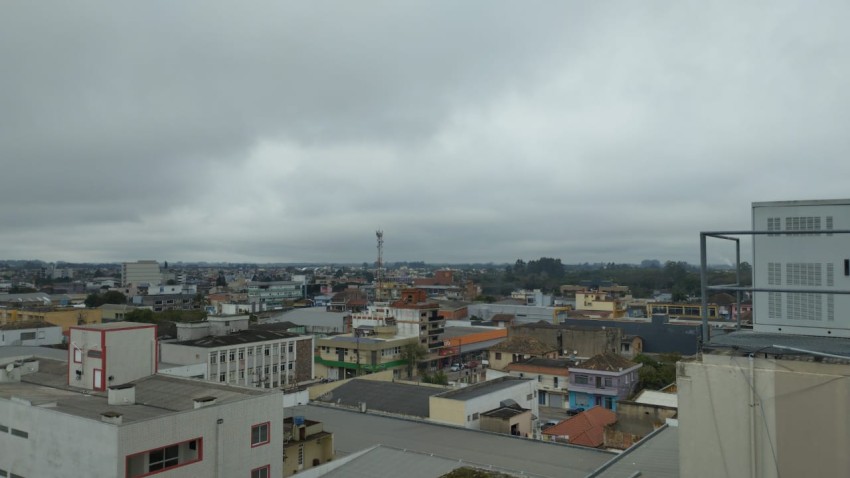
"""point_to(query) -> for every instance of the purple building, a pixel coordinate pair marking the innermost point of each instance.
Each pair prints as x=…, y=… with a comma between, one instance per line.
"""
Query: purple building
x=602, y=380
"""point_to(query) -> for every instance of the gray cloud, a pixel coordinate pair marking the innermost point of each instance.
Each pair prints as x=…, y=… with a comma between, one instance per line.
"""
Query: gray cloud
x=473, y=131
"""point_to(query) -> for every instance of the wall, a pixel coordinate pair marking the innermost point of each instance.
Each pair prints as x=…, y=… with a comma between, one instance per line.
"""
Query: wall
x=58, y=444
x=130, y=353
x=800, y=416
x=226, y=446
x=658, y=415
x=445, y=409
x=44, y=336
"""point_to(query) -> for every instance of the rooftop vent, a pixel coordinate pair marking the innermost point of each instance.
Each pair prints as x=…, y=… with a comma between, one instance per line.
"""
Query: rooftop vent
x=204, y=402
x=122, y=394
x=114, y=418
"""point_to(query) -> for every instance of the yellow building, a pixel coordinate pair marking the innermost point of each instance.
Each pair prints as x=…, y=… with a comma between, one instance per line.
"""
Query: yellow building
x=344, y=356
x=602, y=302
x=65, y=317
x=305, y=445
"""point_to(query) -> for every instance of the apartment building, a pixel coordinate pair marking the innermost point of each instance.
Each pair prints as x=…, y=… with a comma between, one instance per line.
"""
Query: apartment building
x=345, y=356
x=602, y=380
x=105, y=412
x=65, y=317
x=273, y=295
x=464, y=406
x=306, y=445
x=224, y=349
x=140, y=272
x=552, y=377
x=154, y=425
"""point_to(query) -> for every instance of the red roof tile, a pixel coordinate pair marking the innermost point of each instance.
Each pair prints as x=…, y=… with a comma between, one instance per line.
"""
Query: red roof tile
x=586, y=429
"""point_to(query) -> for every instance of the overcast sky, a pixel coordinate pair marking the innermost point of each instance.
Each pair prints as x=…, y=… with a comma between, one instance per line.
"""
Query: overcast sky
x=467, y=131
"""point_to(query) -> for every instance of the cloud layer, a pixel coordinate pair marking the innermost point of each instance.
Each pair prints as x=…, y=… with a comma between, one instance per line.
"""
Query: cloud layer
x=467, y=131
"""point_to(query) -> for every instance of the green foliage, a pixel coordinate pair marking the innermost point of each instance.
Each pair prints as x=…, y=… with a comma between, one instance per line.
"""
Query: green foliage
x=439, y=378
x=108, y=297
x=656, y=374
x=412, y=353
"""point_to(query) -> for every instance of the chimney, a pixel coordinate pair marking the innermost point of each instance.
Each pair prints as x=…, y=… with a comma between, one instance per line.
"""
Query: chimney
x=114, y=418
x=122, y=394
x=202, y=402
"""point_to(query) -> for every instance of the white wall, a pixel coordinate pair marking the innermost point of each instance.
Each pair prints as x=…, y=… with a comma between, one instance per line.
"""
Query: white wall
x=58, y=444
x=821, y=255
x=43, y=336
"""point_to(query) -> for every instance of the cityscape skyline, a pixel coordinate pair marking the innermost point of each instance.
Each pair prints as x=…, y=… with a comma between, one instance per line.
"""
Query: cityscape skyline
x=288, y=132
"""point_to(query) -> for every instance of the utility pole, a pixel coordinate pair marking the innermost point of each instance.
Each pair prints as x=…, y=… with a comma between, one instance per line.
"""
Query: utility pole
x=379, y=273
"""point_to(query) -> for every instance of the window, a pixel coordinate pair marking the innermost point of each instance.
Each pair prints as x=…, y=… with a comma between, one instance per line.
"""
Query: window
x=290, y=347
x=555, y=382
x=78, y=355
x=608, y=381
x=158, y=460
x=300, y=454
x=498, y=355
x=20, y=433
x=261, y=472
x=27, y=335
x=232, y=356
x=4, y=429
x=260, y=434
x=4, y=473
x=581, y=379
x=222, y=377
x=475, y=416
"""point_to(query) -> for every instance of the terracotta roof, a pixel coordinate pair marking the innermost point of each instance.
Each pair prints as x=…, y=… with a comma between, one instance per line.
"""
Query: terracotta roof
x=524, y=344
x=606, y=362
x=586, y=429
x=543, y=365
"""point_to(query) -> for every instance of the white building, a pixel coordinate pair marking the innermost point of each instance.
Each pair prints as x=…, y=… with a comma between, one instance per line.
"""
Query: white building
x=30, y=333
x=115, y=353
x=464, y=406
x=140, y=272
x=167, y=426
x=223, y=349
x=815, y=260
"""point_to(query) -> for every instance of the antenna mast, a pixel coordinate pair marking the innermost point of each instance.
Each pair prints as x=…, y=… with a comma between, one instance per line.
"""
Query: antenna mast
x=379, y=273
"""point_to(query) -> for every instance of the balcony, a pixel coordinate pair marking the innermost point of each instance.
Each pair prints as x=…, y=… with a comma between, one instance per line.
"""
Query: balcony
x=436, y=331
x=436, y=344
x=435, y=318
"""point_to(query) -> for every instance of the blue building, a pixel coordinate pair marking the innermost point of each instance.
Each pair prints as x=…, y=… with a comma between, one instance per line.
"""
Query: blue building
x=602, y=380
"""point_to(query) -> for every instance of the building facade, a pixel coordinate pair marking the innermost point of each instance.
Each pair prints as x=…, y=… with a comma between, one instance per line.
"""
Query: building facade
x=602, y=380
x=30, y=333
x=273, y=295
x=140, y=272
x=224, y=350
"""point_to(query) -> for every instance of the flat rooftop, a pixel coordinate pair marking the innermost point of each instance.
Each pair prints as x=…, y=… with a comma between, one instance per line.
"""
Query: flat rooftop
x=483, y=388
x=460, y=331
x=238, y=338
x=156, y=395
x=113, y=326
x=789, y=346
x=388, y=397
x=657, y=455
x=354, y=431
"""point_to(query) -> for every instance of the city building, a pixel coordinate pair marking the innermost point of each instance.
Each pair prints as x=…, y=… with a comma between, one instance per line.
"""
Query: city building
x=273, y=295
x=33, y=332
x=552, y=377
x=463, y=407
x=518, y=348
x=306, y=445
x=65, y=317
x=344, y=356
x=224, y=349
x=140, y=272
x=106, y=355
x=602, y=380
x=585, y=429
x=154, y=425
x=609, y=303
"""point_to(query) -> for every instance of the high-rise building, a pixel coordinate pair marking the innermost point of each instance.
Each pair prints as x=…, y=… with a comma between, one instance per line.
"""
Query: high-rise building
x=140, y=272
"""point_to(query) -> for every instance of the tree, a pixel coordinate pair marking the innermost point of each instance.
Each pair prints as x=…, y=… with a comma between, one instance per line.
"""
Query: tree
x=412, y=353
x=107, y=297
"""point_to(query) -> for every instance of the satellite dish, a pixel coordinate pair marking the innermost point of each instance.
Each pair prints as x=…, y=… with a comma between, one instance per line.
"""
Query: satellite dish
x=10, y=367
